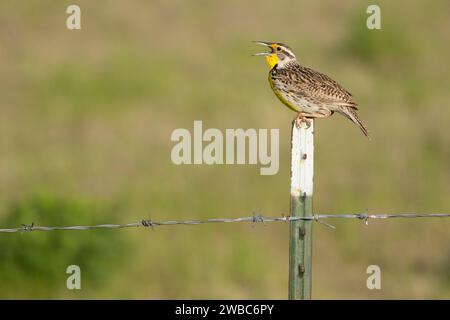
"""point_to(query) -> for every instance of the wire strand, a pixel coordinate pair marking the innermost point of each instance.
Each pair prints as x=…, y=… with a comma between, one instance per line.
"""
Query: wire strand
x=253, y=219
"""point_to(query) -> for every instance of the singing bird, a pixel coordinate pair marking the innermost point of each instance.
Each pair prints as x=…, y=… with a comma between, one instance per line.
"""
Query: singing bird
x=306, y=91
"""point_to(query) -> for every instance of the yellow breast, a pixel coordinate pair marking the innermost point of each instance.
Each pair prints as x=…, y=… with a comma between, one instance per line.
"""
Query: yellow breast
x=282, y=96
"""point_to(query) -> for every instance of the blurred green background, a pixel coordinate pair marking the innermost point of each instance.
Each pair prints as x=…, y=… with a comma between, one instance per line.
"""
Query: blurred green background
x=85, y=125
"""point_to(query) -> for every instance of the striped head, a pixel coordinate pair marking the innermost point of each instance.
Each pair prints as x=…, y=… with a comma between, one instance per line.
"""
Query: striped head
x=280, y=54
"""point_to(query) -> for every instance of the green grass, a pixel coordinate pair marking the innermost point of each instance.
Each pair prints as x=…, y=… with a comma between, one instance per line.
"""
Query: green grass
x=40, y=259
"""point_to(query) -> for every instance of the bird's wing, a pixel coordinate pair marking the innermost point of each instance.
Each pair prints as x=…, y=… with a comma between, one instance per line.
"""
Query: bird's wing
x=321, y=88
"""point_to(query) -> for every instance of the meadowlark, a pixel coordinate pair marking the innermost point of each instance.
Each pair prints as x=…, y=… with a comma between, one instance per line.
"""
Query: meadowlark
x=306, y=91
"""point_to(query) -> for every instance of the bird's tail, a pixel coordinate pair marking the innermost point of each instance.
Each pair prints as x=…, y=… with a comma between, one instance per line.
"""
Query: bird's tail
x=350, y=113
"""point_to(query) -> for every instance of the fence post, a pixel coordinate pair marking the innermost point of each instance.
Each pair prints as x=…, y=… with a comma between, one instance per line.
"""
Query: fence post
x=302, y=170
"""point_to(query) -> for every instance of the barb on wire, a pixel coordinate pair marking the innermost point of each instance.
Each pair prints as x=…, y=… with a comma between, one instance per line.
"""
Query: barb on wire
x=253, y=219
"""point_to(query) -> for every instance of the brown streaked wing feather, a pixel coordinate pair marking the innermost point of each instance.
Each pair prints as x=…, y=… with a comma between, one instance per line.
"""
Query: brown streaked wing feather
x=321, y=87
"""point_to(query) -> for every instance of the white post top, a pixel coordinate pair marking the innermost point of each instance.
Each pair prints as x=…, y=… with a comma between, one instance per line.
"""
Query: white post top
x=302, y=160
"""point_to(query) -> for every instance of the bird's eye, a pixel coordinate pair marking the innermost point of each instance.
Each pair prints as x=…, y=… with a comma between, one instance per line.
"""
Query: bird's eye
x=278, y=49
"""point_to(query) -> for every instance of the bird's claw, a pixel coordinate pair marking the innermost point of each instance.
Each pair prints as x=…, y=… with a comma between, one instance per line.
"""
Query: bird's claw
x=308, y=123
x=299, y=119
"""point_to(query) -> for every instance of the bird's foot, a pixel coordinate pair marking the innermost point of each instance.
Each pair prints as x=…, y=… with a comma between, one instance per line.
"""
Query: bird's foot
x=302, y=119
x=308, y=122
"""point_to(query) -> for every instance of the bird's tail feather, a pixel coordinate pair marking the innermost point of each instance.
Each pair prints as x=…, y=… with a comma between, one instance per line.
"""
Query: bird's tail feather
x=350, y=113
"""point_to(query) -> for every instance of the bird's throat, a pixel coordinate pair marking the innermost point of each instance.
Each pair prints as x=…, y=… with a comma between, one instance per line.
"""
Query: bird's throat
x=272, y=60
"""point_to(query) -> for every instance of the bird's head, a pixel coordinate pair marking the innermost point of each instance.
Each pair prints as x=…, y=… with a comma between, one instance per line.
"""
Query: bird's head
x=279, y=53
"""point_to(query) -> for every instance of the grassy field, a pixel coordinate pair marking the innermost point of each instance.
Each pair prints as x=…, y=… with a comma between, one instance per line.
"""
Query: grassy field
x=85, y=125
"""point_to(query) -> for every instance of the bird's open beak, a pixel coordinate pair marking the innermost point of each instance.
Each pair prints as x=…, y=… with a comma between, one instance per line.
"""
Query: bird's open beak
x=267, y=44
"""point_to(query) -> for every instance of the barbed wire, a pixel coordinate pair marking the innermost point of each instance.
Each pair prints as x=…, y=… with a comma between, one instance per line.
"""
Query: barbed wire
x=146, y=223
